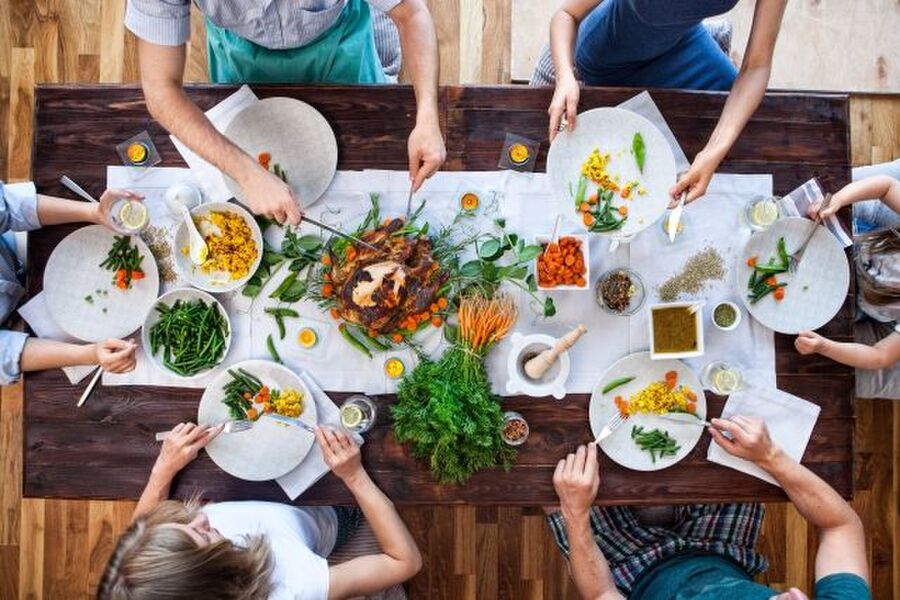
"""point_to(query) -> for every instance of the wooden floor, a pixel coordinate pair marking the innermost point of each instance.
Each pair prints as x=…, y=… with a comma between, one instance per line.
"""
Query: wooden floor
x=57, y=549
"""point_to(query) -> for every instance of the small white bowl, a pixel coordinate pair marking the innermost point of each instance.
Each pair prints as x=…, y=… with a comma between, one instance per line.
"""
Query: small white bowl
x=525, y=347
x=542, y=240
x=737, y=318
x=698, y=322
x=214, y=282
x=169, y=298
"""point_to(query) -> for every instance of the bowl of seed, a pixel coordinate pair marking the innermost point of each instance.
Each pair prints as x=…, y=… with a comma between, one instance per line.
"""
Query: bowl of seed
x=620, y=292
x=726, y=316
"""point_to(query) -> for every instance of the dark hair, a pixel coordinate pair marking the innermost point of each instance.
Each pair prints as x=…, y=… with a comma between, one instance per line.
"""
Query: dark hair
x=884, y=241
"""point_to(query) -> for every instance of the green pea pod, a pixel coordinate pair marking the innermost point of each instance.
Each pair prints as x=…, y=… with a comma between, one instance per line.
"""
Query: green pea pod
x=288, y=282
x=616, y=383
x=353, y=341
x=270, y=344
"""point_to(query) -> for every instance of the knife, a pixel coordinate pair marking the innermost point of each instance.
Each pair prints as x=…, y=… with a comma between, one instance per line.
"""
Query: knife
x=685, y=418
x=290, y=421
x=675, y=217
x=412, y=183
x=614, y=423
x=340, y=233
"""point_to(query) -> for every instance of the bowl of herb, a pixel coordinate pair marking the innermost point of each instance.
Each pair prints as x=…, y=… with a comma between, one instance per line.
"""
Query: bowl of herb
x=186, y=333
x=620, y=292
x=726, y=316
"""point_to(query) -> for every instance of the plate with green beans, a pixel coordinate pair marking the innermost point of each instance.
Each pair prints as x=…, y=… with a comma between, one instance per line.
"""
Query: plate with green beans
x=791, y=302
x=187, y=333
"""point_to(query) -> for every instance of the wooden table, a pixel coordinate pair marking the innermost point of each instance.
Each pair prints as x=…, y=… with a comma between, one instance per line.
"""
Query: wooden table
x=105, y=449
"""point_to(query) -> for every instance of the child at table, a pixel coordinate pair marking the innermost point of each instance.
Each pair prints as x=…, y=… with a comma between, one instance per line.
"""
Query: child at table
x=23, y=209
x=877, y=260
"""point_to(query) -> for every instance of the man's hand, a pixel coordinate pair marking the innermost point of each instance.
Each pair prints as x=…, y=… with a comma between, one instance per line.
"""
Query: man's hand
x=116, y=356
x=564, y=104
x=749, y=438
x=576, y=480
x=809, y=342
x=340, y=453
x=182, y=446
x=426, y=151
x=697, y=178
x=103, y=209
x=266, y=194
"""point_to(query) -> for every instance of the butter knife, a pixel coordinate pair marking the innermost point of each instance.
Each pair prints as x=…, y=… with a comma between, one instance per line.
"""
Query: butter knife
x=290, y=421
x=675, y=217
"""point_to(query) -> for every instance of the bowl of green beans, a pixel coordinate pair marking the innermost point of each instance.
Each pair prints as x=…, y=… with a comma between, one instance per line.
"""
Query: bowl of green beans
x=186, y=333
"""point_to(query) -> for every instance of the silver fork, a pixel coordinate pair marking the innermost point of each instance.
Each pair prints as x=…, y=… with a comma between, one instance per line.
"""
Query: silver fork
x=610, y=427
x=797, y=255
x=230, y=427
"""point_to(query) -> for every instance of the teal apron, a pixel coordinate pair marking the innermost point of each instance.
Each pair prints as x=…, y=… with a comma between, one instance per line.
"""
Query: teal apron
x=343, y=54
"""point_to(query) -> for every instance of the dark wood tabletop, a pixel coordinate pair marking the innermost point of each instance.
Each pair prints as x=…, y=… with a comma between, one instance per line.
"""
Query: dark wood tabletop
x=105, y=449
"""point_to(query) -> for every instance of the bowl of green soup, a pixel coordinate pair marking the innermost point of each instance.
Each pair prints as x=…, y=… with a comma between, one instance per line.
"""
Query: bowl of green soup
x=675, y=330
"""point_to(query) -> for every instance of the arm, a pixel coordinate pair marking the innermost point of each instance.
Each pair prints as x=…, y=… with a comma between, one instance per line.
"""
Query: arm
x=842, y=540
x=162, y=69
x=880, y=356
x=179, y=448
x=563, y=32
x=115, y=356
x=577, y=480
x=399, y=558
x=419, y=44
x=54, y=211
x=880, y=187
x=745, y=96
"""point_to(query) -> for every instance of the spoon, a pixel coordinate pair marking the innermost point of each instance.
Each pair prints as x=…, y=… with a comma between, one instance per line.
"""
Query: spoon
x=198, y=248
x=554, y=237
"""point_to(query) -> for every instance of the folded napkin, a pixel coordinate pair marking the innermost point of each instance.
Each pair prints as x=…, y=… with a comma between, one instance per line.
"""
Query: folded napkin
x=313, y=467
x=37, y=315
x=797, y=203
x=209, y=177
x=790, y=421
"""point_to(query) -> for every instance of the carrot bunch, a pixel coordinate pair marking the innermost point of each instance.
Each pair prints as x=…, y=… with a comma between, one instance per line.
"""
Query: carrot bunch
x=483, y=321
x=562, y=264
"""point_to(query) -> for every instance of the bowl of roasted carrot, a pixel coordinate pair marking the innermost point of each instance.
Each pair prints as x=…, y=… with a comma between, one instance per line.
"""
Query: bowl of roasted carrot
x=564, y=265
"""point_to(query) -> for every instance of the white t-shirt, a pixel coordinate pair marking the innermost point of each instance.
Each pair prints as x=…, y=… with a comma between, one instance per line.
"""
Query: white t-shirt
x=299, y=538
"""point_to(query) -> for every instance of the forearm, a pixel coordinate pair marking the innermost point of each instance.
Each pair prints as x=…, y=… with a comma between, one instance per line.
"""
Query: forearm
x=563, y=30
x=746, y=94
x=53, y=211
x=393, y=537
x=880, y=187
x=155, y=492
x=420, y=51
x=589, y=567
x=40, y=354
x=881, y=355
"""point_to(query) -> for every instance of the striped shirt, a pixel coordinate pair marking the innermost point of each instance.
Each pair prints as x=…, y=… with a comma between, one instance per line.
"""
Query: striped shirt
x=273, y=24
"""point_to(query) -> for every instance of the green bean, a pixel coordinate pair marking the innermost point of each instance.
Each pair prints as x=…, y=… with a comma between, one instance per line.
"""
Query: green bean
x=288, y=281
x=353, y=341
x=616, y=383
x=270, y=344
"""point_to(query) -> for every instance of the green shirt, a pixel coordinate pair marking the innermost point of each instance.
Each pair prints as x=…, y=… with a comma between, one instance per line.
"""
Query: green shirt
x=713, y=577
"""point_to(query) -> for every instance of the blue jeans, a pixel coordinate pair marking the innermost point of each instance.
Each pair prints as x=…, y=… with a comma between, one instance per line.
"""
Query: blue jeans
x=653, y=43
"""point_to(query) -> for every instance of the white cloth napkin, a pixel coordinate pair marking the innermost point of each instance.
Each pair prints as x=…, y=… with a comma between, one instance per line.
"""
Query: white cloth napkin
x=313, y=467
x=797, y=203
x=209, y=177
x=790, y=421
x=37, y=315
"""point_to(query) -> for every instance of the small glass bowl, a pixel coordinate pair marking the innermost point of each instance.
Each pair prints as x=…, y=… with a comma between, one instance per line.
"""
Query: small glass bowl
x=637, y=299
x=509, y=416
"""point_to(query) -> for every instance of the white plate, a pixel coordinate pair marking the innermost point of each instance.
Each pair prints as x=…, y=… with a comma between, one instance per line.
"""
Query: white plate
x=297, y=137
x=169, y=299
x=73, y=272
x=611, y=130
x=269, y=449
x=214, y=282
x=814, y=294
x=619, y=446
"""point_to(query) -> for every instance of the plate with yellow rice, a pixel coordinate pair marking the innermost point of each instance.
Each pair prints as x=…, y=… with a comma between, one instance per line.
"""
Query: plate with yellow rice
x=658, y=387
x=270, y=448
x=235, y=246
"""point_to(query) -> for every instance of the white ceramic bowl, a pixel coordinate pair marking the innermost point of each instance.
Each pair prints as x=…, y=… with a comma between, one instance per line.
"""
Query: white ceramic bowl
x=543, y=240
x=169, y=298
x=698, y=321
x=525, y=347
x=737, y=318
x=215, y=282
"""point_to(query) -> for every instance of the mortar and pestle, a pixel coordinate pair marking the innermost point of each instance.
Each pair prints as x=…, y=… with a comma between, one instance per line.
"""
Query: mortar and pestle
x=538, y=364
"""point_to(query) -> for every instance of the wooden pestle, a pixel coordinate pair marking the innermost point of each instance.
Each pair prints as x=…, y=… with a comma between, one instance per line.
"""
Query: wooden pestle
x=537, y=366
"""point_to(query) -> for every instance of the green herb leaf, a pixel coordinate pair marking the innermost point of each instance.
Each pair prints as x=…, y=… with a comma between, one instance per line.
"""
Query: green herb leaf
x=549, y=307
x=490, y=249
x=639, y=149
x=529, y=253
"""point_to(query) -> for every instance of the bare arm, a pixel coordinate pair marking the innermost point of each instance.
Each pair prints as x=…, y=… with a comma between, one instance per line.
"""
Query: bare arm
x=420, y=51
x=54, y=211
x=162, y=71
x=399, y=558
x=116, y=356
x=842, y=540
x=879, y=356
x=880, y=187
x=745, y=96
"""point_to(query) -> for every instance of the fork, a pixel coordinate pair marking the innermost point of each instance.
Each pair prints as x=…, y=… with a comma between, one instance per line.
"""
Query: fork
x=230, y=427
x=797, y=255
x=610, y=427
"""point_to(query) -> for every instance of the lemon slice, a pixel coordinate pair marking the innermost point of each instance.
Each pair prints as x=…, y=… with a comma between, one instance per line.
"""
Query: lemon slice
x=727, y=380
x=133, y=215
x=765, y=213
x=351, y=416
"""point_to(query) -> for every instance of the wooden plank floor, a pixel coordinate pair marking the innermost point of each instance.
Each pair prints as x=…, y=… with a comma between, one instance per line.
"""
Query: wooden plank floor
x=57, y=549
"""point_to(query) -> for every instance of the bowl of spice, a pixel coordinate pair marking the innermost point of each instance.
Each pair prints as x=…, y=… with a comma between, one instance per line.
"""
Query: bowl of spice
x=620, y=292
x=515, y=428
x=726, y=316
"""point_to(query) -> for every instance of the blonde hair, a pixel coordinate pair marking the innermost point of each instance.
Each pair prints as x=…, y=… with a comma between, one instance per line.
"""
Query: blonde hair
x=884, y=241
x=153, y=560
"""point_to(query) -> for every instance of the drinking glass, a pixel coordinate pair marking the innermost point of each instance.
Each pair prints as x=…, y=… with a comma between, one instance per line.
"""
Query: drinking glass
x=358, y=414
x=721, y=377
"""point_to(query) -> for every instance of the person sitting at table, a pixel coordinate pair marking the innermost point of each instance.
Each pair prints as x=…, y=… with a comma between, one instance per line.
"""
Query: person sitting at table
x=708, y=551
x=23, y=209
x=641, y=43
x=255, y=550
x=877, y=260
x=307, y=41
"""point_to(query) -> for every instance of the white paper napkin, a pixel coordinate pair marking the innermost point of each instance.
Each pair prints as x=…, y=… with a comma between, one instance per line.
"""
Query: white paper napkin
x=37, y=315
x=210, y=178
x=313, y=467
x=797, y=203
x=790, y=421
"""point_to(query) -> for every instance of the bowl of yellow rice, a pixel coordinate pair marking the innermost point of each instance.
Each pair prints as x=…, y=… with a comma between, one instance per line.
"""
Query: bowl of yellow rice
x=235, y=245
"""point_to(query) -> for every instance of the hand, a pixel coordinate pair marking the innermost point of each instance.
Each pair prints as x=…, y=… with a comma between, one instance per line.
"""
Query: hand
x=340, y=453
x=116, y=356
x=564, y=104
x=696, y=180
x=426, y=151
x=750, y=438
x=833, y=207
x=182, y=446
x=103, y=209
x=809, y=342
x=266, y=194
x=576, y=480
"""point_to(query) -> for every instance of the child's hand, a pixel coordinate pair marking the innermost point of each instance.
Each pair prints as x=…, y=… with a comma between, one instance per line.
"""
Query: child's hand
x=107, y=200
x=116, y=356
x=809, y=342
